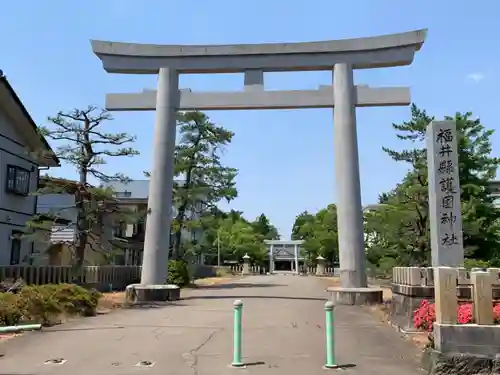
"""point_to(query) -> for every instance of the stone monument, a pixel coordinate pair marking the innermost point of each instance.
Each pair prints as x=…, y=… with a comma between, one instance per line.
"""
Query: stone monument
x=444, y=195
x=341, y=57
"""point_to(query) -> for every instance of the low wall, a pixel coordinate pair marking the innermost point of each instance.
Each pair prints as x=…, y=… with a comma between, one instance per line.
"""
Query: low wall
x=411, y=285
x=256, y=270
x=448, y=288
x=201, y=271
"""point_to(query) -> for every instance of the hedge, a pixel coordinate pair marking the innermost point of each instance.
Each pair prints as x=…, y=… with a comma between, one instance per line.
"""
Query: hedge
x=46, y=303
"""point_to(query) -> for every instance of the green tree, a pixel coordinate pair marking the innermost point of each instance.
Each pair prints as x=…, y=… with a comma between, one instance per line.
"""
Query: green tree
x=263, y=227
x=403, y=226
x=239, y=238
x=298, y=233
x=205, y=179
x=400, y=229
x=85, y=147
x=320, y=235
x=234, y=215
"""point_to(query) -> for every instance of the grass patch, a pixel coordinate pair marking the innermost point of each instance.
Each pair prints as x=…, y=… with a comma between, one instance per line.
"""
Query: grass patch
x=214, y=280
x=111, y=301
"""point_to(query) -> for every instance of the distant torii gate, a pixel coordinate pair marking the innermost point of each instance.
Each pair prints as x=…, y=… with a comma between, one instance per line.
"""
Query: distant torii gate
x=291, y=247
x=341, y=56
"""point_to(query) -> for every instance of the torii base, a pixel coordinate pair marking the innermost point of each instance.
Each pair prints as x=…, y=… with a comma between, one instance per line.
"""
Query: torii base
x=137, y=294
x=355, y=296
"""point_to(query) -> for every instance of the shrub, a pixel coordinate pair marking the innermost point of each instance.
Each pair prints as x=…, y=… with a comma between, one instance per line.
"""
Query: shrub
x=425, y=315
x=73, y=299
x=221, y=272
x=11, y=309
x=476, y=263
x=43, y=303
x=40, y=305
x=178, y=273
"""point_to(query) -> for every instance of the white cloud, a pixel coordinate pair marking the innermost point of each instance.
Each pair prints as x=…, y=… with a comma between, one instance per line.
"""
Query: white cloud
x=475, y=77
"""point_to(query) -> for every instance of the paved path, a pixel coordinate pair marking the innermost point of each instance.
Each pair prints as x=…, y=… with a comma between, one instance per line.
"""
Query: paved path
x=283, y=334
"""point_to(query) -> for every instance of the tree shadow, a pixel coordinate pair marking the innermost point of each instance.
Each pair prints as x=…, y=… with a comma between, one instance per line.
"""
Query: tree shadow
x=342, y=366
x=256, y=363
x=256, y=297
x=151, y=305
x=237, y=286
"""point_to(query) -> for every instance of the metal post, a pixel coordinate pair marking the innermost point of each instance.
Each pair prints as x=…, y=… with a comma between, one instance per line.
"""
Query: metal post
x=238, y=311
x=296, y=253
x=271, y=260
x=329, y=335
x=218, y=247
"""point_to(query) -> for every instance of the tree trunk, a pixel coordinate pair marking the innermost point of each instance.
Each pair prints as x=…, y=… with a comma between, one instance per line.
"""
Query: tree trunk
x=81, y=237
x=82, y=224
x=181, y=213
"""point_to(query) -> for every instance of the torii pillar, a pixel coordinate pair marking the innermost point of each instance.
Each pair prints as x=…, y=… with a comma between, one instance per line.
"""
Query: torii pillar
x=341, y=56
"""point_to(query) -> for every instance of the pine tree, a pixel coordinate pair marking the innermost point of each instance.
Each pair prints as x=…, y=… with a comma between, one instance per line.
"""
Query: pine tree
x=264, y=228
x=85, y=147
x=205, y=179
x=404, y=225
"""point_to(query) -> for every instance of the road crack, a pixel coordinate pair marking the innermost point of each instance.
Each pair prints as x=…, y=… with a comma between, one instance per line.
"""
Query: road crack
x=191, y=357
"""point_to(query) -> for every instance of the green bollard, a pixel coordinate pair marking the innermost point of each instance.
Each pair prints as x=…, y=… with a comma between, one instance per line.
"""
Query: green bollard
x=238, y=310
x=329, y=334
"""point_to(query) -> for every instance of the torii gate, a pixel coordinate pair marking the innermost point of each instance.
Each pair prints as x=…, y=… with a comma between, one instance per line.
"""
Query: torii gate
x=339, y=56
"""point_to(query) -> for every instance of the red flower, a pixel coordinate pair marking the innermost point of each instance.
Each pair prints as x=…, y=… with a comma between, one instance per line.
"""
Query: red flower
x=496, y=313
x=425, y=315
x=464, y=313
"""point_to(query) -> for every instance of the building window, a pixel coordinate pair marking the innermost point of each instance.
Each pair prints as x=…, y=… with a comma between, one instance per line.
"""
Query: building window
x=120, y=230
x=141, y=227
x=123, y=194
x=32, y=253
x=15, y=248
x=194, y=236
x=18, y=180
x=496, y=202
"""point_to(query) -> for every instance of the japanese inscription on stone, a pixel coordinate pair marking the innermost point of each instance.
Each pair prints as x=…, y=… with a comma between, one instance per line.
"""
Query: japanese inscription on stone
x=444, y=194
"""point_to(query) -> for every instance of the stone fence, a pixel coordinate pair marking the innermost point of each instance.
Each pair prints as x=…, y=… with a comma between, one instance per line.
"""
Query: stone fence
x=111, y=277
x=255, y=270
x=447, y=287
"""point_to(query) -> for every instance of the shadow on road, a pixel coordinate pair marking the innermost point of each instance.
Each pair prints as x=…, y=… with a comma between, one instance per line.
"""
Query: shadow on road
x=255, y=297
x=153, y=305
x=237, y=286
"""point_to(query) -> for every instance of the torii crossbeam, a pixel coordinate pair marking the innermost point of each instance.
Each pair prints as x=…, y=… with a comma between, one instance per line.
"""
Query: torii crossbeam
x=260, y=99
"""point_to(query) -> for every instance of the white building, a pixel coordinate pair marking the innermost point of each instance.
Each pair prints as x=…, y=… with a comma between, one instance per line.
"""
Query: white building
x=23, y=151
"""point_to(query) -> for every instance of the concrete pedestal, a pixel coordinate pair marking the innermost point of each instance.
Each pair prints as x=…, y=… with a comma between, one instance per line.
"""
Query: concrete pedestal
x=138, y=294
x=355, y=296
x=246, y=269
x=246, y=265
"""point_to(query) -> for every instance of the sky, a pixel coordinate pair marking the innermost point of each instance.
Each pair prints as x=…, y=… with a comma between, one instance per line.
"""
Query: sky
x=285, y=158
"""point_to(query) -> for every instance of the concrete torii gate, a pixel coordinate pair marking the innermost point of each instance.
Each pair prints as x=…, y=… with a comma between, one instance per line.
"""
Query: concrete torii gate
x=339, y=56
